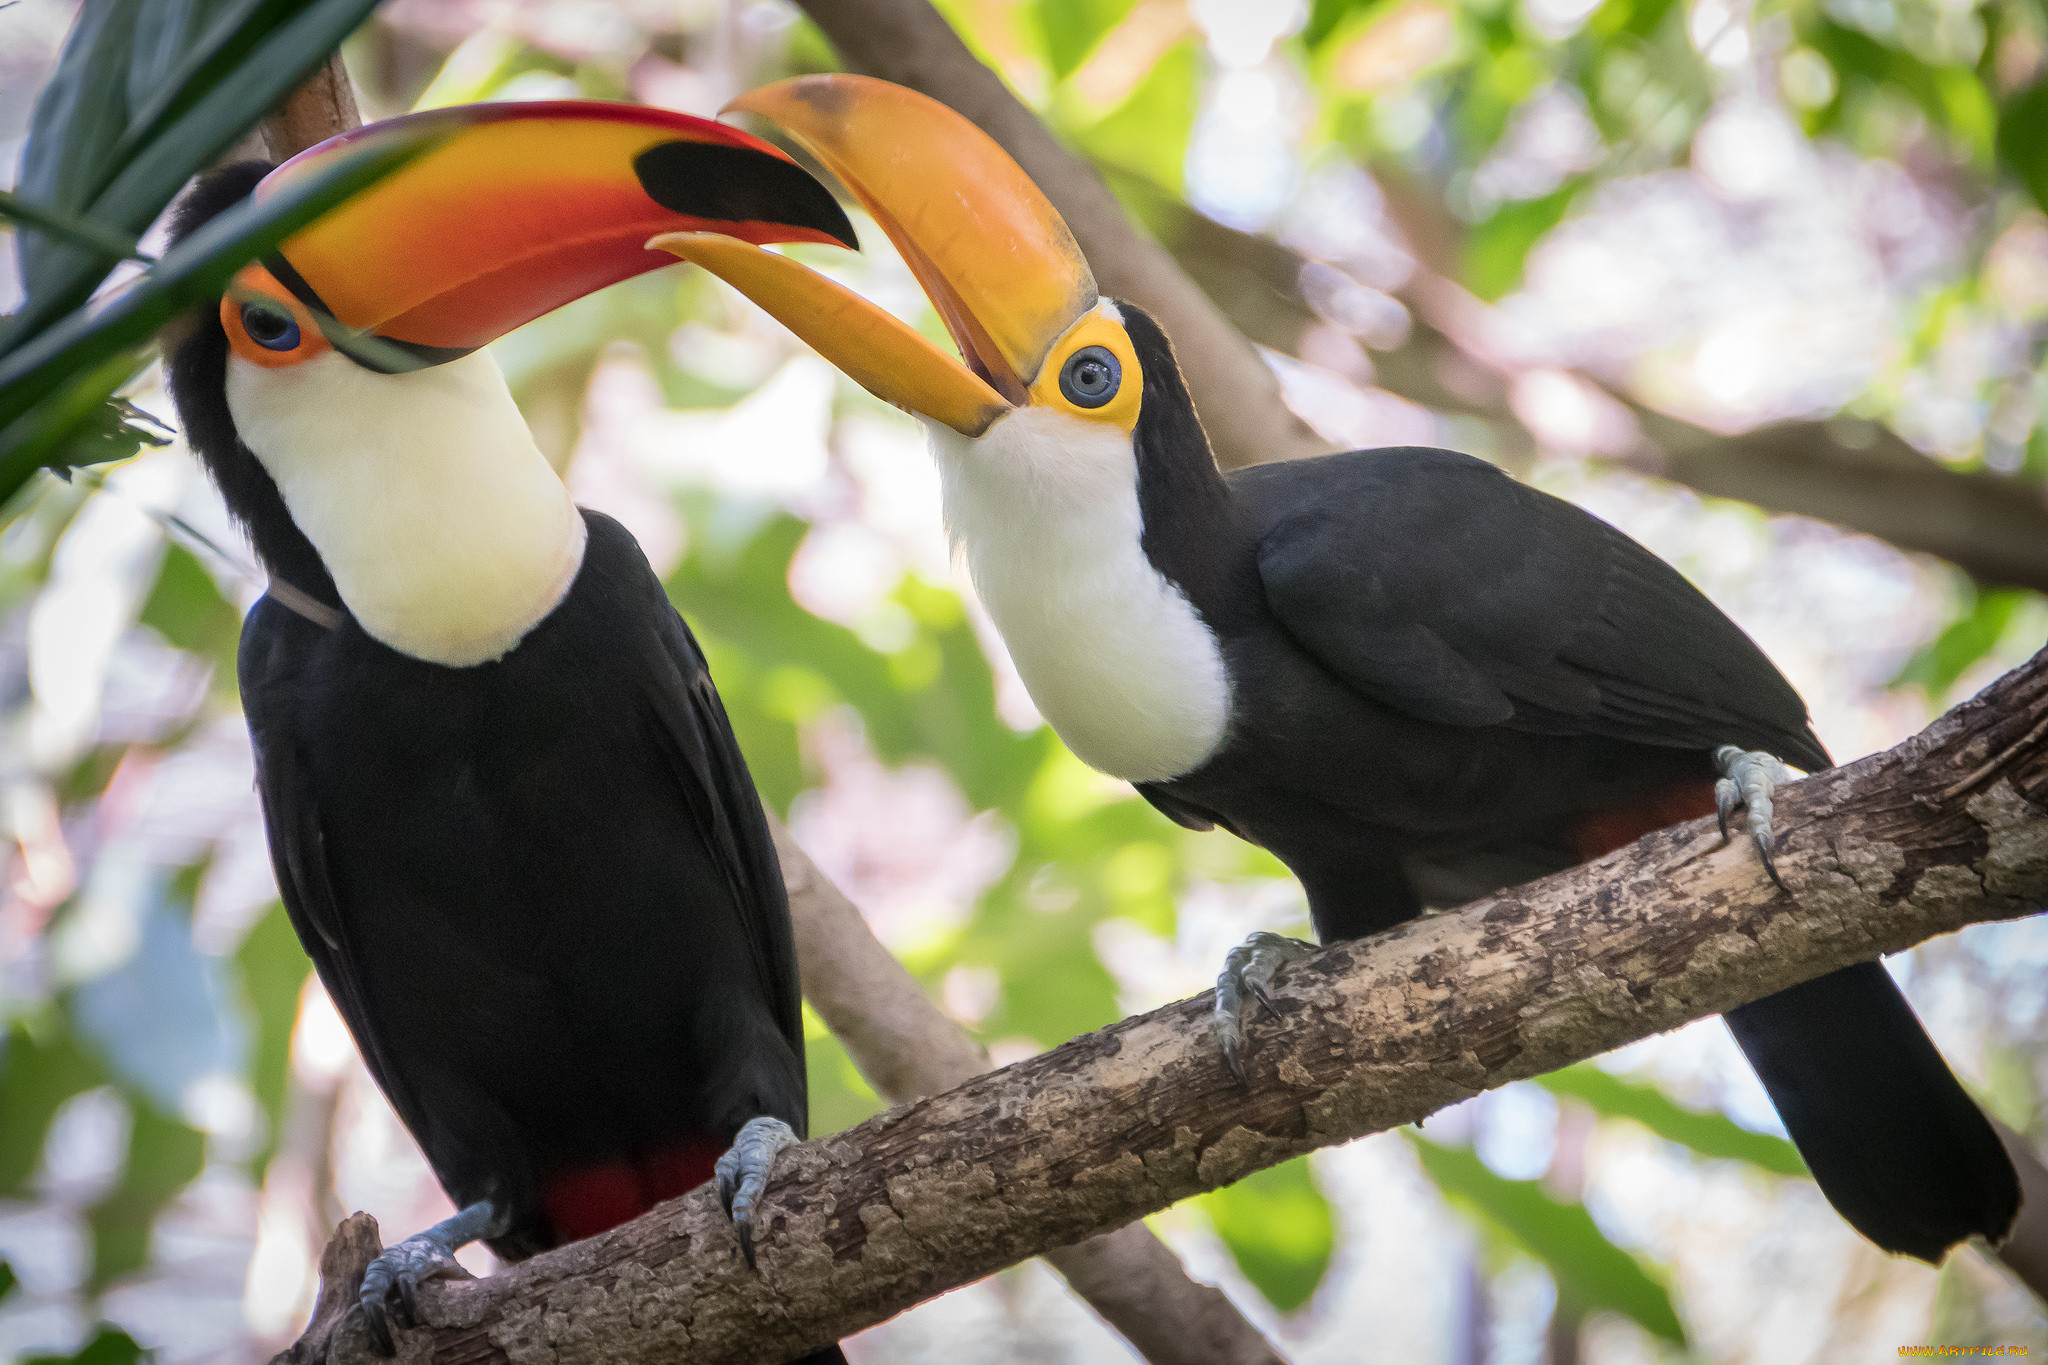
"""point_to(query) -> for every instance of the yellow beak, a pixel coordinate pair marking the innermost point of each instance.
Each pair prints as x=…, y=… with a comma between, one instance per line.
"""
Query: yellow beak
x=992, y=253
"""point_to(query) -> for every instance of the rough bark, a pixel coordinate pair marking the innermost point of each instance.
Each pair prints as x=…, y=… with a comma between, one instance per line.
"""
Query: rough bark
x=908, y=1049
x=323, y=105
x=908, y=42
x=342, y=1265
x=1948, y=829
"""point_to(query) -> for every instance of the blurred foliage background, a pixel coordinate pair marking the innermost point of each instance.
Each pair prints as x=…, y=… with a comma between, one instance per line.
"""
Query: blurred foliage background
x=1619, y=246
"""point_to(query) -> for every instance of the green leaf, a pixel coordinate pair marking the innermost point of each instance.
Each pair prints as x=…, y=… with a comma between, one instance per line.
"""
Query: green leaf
x=80, y=360
x=1637, y=18
x=80, y=232
x=932, y=697
x=235, y=92
x=186, y=607
x=840, y=1095
x=8, y=1281
x=1498, y=84
x=249, y=60
x=164, y=1156
x=1973, y=633
x=79, y=116
x=1953, y=98
x=1495, y=250
x=2023, y=139
x=1708, y=1134
x=89, y=425
x=1326, y=16
x=1279, y=1229
x=274, y=969
x=1148, y=133
x=1562, y=1235
x=482, y=62
x=184, y=51
x=69, y=427
x=40, y=1068
x=1070, y=29
x=110, y=1346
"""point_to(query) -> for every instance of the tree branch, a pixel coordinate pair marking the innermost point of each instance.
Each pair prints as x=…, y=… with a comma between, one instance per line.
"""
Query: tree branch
x=908, y=1049
x=323, y=104
x=1992, y=527
x=1946, y=830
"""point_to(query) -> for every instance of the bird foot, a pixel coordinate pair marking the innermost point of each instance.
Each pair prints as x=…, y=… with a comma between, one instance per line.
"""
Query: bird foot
x=419, y=1258
x=743, y=1174
x=1248, y=970
x=1748, y=777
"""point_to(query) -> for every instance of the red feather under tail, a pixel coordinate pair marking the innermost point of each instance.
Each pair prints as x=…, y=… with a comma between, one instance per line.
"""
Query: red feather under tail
x=592, y=1199
x=1602, y=831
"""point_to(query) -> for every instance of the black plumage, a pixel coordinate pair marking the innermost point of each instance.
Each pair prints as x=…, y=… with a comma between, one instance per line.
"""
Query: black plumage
x=541, y=891
x=1444, y=682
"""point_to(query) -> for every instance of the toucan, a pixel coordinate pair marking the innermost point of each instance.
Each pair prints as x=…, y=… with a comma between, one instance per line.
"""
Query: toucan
x=1410, y=677
x=506, y=810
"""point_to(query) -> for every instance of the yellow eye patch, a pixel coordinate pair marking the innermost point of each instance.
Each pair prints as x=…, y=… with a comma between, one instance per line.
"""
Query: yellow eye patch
x=1093, y=372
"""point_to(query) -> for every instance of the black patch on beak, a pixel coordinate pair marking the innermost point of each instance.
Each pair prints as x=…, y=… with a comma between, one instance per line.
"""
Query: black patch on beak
x=739, y=185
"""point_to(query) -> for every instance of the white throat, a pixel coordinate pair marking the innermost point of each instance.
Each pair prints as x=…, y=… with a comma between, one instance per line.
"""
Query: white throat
x=448, y=534
x=1044, y=508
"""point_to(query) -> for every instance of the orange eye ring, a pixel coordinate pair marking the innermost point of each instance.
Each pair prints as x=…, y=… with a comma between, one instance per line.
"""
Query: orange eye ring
x=267, y=326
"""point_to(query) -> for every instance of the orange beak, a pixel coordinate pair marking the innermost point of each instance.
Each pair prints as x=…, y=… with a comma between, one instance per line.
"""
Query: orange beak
x=993, y=255
x=522, y=208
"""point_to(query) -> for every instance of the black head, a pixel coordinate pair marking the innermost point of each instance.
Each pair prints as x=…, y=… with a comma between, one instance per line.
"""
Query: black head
x=196, y=364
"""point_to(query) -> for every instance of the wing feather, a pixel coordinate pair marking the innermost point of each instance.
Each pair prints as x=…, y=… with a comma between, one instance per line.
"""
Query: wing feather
x=1435, y=583
x=726, y=809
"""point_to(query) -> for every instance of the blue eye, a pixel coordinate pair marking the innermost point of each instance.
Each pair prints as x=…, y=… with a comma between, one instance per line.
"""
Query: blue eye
x=270, y=326
x=1091, y=377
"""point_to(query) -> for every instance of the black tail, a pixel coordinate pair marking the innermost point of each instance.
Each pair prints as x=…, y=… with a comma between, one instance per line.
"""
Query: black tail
x=831, y=1355
x=1891, y=1139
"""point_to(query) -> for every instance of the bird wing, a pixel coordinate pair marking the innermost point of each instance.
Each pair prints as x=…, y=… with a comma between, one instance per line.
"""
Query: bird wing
x=719, y=793
x=298, y=845
x=1436, y=584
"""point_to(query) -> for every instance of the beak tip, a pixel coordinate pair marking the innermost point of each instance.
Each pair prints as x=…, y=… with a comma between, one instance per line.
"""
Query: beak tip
x=675, y=243
x=845, y=235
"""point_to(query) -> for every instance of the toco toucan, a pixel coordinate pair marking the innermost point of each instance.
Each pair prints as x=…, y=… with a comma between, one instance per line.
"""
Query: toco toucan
x=507, y=813
x=1411, y=678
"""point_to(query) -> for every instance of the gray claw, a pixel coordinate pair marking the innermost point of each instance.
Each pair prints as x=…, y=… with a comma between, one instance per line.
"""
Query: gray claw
x=421, y=1256
x=743, y=1174
x=380, y=1329
x=1247, y=972
x=1748, y=777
